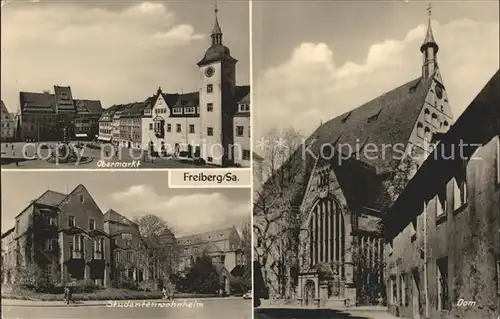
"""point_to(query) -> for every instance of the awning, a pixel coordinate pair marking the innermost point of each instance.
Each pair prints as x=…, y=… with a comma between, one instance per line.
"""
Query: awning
x=104, y=138
x=81, y=135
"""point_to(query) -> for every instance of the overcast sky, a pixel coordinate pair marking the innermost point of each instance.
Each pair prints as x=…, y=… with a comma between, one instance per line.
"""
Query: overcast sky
x=115, y=51
x=314, y=60
x=188, y=211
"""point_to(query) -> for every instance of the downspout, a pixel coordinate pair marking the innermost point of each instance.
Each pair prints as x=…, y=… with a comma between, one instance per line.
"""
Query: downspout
x=426, y=284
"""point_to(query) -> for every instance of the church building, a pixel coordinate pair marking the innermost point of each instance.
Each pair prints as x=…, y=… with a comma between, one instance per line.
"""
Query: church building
x=342, y=196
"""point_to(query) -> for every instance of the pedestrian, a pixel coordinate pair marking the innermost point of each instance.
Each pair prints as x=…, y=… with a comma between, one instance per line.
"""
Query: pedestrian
x=164, y=291
x=66, y=294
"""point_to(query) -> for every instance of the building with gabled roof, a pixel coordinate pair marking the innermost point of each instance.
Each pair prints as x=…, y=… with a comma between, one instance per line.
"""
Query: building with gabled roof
x=44, y=116
x=442, y=233
x=69, y=239
x=193, y=124
x=9, y=123
x=223, y=246
x=347, y=167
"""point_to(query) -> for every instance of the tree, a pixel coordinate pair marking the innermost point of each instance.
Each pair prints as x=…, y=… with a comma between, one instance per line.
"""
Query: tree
x=277, y=217
x=202, y=277
x=401, y=175
x=161, y=248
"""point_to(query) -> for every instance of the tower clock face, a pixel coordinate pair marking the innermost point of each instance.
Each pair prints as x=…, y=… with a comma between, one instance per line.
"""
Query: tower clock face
x=439, y=92
x=209, y=72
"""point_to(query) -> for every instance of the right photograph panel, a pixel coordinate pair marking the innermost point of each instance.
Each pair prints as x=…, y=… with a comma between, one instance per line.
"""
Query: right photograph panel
x=377, y=159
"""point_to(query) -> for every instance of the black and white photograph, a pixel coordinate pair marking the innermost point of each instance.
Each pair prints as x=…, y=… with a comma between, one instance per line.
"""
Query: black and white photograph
x=377, y=189
x=125, y=84
x=81, y=244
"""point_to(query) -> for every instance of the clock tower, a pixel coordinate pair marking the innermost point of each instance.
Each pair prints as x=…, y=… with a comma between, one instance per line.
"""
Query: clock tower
x=217, y=102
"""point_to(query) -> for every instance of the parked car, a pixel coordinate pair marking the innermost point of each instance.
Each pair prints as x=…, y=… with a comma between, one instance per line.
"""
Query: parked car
x=248, y=295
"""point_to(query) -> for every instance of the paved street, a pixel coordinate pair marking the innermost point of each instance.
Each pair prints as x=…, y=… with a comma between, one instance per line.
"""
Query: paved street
x=32, y=156
x=299, y=313
x=212, y=308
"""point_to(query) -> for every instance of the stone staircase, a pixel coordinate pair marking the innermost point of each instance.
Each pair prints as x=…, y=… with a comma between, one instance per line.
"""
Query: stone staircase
x=334, y=303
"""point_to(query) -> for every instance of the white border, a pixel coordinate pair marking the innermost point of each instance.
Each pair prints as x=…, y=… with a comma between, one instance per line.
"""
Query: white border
x=252, y=126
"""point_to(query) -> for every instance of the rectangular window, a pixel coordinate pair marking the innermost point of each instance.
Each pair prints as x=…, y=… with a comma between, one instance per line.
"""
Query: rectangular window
x=239, y=131
x=177, y=110
x=413, y=229
x=210, y=107
x=402, y=290
x=246, y=155
x=71, y=221
x=442, y=282
x=459, y=193
x=150, y=126
x=210, y=131
x=48, y=245
x=191, y=128
x=117, y=257
x=394, y=290
x=169, y=127
x=91, y=224
x=178, y=128
x=190, y=110
x=440, y=210
x=210, y=88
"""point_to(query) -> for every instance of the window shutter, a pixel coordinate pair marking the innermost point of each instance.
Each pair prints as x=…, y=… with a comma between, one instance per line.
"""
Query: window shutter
x=439, y=207
x=456, y=195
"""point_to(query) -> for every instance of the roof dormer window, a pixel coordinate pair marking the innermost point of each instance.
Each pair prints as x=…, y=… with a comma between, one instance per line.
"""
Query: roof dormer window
x=177, y=110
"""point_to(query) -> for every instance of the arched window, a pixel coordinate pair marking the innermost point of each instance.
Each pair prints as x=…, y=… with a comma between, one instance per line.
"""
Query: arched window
x=420, y=130
x=427, y=115
x=327, y=235
x=435, y=120
x=427, y=134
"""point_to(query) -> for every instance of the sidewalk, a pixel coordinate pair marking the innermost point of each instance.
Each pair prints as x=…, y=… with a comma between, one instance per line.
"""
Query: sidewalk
x=100, y=303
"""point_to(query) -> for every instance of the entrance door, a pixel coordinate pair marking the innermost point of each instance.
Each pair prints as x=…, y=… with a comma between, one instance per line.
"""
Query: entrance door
x=416, y=295
x=309, y=292
x=190, y=150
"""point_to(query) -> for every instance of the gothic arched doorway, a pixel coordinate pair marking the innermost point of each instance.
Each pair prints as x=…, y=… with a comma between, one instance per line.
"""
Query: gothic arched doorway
x=309, y=291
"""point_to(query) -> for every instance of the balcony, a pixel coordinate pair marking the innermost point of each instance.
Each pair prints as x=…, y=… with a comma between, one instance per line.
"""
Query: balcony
x=159, y=127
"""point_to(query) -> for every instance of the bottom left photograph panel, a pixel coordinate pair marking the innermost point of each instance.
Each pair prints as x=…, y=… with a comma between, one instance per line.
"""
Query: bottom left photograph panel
x=81, y=244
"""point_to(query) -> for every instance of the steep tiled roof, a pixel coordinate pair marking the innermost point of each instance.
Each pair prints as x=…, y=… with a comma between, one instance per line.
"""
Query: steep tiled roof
x=213, y=235
x=88, y=106
x=51, y=198
x=483, y=114
x=36, y=102
x=187, y=99
x=4, y=109
x=388, y=119
x=242, y=94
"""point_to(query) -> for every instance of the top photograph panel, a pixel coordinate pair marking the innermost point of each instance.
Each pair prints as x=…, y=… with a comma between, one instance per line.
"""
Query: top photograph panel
x=125, y=85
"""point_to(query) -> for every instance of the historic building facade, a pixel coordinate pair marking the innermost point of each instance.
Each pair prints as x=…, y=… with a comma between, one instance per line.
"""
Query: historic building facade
x=69, y=238
x=9, y=123
x=212, y=123
x=442, y=233
x=342, y=195
x=45, y=116
x=224, y=247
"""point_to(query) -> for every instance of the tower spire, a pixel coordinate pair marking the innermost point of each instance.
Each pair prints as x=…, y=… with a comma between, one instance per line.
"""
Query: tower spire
x=216, y=31
x=429, y=48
